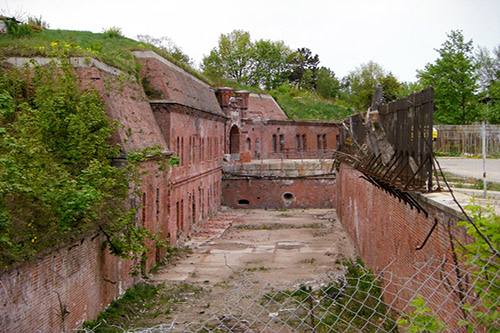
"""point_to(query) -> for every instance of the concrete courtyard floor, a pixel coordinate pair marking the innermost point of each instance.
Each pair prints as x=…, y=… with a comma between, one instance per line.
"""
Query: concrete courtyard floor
x=251, y=252
x=280, y=246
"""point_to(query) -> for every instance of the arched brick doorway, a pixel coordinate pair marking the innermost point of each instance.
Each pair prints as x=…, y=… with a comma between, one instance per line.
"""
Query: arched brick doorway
x=234, y=142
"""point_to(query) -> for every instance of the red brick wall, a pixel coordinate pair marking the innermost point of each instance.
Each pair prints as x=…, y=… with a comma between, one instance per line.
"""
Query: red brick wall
x=126, y=103
x=256, y=129
x=83, y=276
x=270, y=193
x=152, y=206
x=175, y=84
x=197, y=138
x=387, y=232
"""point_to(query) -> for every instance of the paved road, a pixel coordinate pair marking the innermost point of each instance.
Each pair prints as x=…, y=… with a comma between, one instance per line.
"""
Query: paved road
x=471, y=167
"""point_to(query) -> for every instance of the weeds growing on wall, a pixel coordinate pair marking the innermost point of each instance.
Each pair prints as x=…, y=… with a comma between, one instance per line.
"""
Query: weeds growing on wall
x=484, y=256
x=480, y=294
x=57, y=181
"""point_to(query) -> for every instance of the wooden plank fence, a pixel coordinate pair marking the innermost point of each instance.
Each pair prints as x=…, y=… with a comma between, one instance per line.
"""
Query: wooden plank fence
x=467, y=139
x=406, y=125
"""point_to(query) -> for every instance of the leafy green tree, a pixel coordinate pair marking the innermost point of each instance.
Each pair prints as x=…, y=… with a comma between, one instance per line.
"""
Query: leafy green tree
x=454, y=78
x=390, y=86
x=359, y=85
x=327, y=85
x=304, y=67
x=232, y=59
x=407, y=88
x=270, y=64
x=489, y=81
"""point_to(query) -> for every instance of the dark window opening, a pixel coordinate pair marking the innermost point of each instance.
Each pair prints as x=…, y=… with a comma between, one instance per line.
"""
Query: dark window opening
x=243, y=202
x=288, y=196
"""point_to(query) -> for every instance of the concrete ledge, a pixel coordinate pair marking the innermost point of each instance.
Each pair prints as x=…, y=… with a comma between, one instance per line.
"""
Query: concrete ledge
x=278, y=168
x=79, y=62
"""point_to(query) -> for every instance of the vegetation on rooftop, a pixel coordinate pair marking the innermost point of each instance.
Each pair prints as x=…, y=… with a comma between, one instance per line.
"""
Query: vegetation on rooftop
x=110, y=47
x=298, y=104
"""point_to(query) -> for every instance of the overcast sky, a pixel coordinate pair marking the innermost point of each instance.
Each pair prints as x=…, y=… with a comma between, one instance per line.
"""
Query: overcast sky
x=399, y=35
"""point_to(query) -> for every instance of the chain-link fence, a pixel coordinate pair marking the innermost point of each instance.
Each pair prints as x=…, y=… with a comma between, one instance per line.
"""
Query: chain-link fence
x=441, y=296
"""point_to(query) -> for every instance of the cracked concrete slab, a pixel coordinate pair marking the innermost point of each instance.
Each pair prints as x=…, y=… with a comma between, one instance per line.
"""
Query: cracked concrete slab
x=280, y=246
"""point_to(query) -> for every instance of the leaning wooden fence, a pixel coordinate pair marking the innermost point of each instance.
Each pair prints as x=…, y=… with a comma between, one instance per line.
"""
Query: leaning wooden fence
x=467, y=139
x=403, y=130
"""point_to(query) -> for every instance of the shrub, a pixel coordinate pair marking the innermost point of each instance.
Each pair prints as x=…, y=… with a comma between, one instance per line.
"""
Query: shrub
x=17, y=30
x=113, y=32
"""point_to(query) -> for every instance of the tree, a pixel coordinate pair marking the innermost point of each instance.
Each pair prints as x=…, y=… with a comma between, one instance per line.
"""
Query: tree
x=304, y=68
x=407, y=88
x=359, y=85
x=327, y=84
x=232, y=59
x=270, y=60
x=454, y=78
x=391, y=87
x=489, y=82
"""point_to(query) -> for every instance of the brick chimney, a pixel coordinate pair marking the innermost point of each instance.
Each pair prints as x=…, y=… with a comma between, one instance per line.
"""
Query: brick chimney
x=225, y=93
x=244, y=95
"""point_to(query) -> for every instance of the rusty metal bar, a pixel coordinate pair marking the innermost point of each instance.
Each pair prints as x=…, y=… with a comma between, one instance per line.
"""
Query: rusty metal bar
x=418, y=170
x=428, y=235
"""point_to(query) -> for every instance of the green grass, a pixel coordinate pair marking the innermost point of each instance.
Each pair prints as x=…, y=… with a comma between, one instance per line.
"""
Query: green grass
x=298, y=104
x=470, y=183
x=130, y=305
x=306, y=105
x=112, y=49
x=458, y=154
x=139, y=304
x=349, y=305
x=260, y=268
